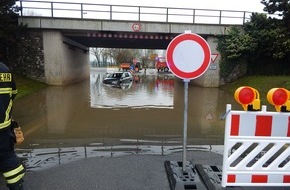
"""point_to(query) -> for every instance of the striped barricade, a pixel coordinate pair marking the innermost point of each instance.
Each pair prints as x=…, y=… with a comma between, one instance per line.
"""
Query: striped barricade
x=256, y=148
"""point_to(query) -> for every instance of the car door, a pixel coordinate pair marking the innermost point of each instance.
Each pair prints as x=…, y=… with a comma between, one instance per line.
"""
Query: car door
x=125, y=77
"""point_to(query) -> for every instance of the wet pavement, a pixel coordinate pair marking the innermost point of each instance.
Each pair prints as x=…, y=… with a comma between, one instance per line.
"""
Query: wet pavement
x=131, y=172
x=40, y=159
x=128, y=172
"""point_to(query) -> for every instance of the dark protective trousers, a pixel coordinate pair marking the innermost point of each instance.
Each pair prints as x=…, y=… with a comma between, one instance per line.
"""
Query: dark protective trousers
x=10, y=167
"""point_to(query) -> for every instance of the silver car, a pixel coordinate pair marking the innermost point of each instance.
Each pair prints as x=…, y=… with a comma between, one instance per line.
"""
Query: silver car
x=118, y=78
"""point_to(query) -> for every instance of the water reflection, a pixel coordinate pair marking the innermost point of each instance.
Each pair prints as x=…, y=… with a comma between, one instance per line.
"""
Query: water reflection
x=145, y=91
x=38, y=159
x=150, y=110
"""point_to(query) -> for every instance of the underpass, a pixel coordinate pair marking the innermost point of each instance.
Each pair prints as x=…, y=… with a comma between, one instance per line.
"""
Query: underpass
x=67, y=30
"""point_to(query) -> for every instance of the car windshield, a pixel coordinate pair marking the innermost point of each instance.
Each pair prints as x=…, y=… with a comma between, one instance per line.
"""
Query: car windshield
x=115, y=75
x=162, y=59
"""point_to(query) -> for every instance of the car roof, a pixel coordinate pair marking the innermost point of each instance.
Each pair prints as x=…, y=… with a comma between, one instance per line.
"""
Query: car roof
x=120, y=72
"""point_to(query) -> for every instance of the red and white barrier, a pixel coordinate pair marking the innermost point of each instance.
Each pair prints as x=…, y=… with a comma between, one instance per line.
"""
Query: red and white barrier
x=256, y=148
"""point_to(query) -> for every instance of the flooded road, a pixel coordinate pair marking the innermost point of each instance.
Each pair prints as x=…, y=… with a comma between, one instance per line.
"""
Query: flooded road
x=93, y=117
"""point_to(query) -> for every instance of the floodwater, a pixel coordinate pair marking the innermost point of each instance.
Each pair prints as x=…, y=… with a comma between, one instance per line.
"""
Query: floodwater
x=63, y=123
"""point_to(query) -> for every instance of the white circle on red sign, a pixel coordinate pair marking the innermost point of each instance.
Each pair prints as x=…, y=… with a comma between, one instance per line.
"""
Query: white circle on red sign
x=188, y=56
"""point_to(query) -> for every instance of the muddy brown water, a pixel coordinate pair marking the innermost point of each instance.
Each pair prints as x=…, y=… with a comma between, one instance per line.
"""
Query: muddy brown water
x=151, y=108
x=147, y=112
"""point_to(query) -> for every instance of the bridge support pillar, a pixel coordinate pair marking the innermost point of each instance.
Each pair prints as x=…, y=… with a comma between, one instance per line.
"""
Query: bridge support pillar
x=211, y=78
x=65, y=62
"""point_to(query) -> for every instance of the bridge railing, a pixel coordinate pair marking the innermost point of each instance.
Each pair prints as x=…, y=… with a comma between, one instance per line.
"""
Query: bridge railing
x=131, y=13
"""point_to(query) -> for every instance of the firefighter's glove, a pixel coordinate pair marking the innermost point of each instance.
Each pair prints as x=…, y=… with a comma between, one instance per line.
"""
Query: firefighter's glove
x=18, y=133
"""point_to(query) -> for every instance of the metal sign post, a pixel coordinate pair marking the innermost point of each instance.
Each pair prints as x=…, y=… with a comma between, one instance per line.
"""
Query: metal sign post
x=186, y=81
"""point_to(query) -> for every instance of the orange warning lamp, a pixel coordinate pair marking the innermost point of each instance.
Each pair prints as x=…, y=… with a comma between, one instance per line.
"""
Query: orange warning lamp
x=280, y=98
x=248, y=97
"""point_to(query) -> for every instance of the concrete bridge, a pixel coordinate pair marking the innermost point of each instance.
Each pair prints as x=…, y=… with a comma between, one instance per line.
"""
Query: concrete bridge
x=67, y=33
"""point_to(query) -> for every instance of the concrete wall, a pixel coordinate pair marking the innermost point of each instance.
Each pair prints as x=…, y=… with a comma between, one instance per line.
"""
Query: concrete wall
x=64, y=63
x=211, y=78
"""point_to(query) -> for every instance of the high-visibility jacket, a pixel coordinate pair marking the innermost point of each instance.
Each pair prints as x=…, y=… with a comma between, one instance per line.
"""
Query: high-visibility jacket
x=8, y=92
x=10, y=167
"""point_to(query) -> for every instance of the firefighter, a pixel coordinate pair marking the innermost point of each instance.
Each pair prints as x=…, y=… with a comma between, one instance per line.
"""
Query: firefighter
x=10, y=167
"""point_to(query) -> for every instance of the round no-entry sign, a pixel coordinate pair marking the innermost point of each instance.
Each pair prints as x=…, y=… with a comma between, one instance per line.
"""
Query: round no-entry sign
x=188, y=56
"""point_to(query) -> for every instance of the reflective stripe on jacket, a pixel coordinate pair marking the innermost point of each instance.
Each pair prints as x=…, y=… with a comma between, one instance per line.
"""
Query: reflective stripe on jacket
x=8, y=92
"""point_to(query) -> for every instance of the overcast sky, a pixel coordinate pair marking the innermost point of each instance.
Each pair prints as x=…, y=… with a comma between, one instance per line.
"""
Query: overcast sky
x=240, y=5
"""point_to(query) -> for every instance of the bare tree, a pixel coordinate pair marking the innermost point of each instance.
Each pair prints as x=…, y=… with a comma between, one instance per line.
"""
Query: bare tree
x=114, y=56
x=98, y=54
x=146, y=57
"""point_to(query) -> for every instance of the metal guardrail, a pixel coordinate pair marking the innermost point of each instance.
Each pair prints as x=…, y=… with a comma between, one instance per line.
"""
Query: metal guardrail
x=131, y=13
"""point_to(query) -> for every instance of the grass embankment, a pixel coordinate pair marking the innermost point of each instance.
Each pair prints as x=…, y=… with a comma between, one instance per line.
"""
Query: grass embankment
x=26, y=86
x=261, y=83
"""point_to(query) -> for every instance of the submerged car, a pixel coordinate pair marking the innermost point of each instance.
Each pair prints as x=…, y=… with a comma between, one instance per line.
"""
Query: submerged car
x=118, y=78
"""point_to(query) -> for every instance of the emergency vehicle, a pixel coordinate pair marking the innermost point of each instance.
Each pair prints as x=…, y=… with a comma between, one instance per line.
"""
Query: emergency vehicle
x=161, y=64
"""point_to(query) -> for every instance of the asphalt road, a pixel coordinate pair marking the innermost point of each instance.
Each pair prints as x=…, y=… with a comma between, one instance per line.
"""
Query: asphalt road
x=132, y=172
x=142, y=172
